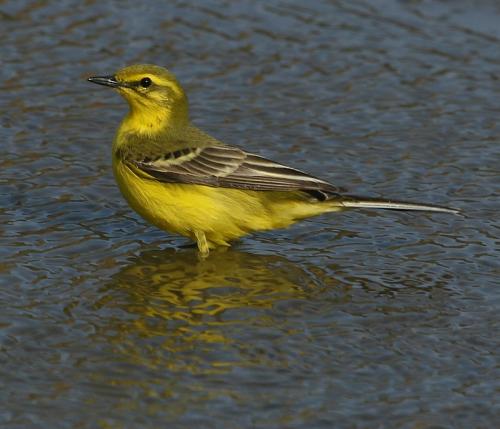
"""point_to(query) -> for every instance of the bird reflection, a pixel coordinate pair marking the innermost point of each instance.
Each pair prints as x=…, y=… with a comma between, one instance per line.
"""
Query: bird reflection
x=177, y=285
x=191, y=308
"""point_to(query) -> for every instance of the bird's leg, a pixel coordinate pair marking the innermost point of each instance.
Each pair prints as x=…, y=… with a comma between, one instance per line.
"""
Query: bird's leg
x=201, y=240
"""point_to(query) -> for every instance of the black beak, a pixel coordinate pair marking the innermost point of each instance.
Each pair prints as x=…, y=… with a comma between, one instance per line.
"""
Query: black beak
x=105, y=80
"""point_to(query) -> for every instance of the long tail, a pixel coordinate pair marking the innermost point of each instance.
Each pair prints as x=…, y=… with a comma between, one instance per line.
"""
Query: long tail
x=375, y=203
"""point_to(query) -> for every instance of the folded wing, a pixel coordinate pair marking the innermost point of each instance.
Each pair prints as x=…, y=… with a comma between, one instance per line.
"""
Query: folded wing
x=230, y=167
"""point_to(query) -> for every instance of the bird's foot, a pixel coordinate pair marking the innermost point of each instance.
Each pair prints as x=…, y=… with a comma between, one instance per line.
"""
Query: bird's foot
x=201, y=240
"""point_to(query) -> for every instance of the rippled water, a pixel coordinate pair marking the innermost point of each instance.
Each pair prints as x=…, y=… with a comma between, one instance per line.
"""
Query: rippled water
x=362, y=319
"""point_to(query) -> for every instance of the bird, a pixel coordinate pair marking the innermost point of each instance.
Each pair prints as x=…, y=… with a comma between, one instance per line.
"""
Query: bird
x=187, y=182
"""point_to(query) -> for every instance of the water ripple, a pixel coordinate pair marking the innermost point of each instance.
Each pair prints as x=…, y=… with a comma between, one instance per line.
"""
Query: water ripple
x=362, y=319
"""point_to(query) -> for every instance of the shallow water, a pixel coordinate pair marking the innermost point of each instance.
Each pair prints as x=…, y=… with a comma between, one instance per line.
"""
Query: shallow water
x=360, y=319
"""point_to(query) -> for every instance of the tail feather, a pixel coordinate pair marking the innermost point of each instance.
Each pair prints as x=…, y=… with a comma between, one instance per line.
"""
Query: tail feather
x=375, y=203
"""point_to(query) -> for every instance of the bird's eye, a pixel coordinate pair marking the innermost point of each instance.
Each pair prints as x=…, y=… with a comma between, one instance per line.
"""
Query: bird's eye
x=145, y=82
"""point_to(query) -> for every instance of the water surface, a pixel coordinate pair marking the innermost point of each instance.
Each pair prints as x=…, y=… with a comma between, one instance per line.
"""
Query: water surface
x=360, y=319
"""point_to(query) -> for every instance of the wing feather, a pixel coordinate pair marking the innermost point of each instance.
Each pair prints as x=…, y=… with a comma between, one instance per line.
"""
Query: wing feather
x=231, y=167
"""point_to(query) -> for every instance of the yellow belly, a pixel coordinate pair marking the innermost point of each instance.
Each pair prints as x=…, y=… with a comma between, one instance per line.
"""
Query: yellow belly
x=222, y=214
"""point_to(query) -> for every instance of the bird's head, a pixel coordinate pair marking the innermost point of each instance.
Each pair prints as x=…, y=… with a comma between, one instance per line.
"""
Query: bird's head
x=155, y=97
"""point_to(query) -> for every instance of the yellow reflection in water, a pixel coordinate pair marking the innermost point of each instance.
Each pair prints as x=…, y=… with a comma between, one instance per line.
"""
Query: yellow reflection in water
x=187, y=313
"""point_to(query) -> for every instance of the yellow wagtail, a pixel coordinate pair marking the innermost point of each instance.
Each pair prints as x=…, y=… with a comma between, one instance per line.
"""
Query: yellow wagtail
x=185, y=181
